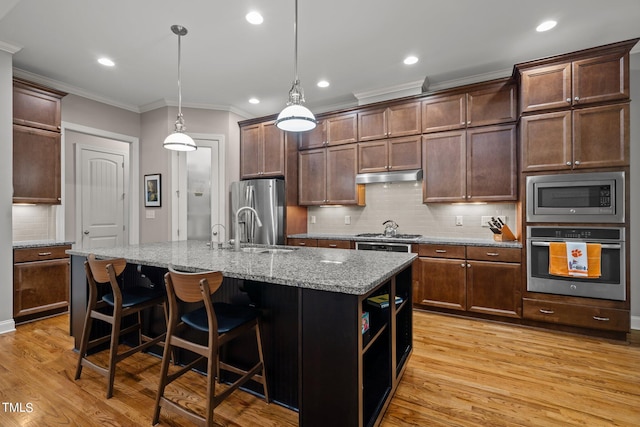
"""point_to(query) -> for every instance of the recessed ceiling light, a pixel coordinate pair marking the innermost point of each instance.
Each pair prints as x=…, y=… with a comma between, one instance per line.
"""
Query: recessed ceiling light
x=254, y=101
x=106, y=62
x=546, y=26
x=323, y=83
x=410, y=60
x=254, y=18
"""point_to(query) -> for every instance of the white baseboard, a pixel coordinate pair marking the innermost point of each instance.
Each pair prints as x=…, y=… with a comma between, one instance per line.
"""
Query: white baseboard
x=635, y=322
x=10, y=326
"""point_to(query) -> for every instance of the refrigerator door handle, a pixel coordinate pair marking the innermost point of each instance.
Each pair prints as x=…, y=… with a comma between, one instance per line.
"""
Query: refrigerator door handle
x=250, y=220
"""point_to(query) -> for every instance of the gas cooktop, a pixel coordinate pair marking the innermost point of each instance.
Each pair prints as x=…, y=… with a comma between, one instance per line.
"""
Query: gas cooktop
x=397, y=236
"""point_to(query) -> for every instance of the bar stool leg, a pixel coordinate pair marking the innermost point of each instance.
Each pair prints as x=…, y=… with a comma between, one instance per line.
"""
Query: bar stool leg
x=86, y=329
x=113, y=350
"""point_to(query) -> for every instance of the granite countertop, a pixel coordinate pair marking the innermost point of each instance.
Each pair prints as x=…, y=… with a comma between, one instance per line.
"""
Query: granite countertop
x=334, y=270
x=26, y=244
x=468, y=241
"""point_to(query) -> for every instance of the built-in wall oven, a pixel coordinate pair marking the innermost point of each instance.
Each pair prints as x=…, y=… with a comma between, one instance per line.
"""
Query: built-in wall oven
x=611, y=282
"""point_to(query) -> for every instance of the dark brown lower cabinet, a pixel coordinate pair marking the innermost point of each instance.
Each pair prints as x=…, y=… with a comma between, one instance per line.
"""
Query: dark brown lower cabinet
x=40, y=282
x=480, y=279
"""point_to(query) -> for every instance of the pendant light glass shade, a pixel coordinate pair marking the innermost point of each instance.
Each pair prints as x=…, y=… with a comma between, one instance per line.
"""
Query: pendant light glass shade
x=295, y=117
x=179, y=140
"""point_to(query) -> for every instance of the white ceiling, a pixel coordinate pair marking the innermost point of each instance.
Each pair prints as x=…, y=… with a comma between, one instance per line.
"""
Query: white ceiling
x=357, y=45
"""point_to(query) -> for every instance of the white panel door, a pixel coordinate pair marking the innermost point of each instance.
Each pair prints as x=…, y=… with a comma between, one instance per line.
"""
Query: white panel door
x=102, y=199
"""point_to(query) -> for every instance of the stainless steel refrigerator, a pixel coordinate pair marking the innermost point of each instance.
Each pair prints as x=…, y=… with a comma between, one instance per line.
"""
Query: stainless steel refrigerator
x=266, y=196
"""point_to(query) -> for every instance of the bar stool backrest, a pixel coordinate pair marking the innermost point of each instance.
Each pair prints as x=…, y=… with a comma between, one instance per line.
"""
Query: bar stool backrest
x=100, y=271
x=183, y=285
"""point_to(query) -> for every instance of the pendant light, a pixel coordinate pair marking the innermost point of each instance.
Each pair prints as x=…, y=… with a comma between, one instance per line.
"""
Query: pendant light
x=178, y=140
x=296, y=117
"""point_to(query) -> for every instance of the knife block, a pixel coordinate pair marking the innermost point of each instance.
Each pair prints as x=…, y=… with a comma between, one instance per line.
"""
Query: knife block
x=505, y=236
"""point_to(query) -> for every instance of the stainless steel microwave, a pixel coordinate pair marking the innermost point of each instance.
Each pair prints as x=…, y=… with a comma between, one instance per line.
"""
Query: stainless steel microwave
x=576, y=198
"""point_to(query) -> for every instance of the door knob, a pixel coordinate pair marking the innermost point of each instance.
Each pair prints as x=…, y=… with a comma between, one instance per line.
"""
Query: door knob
x=86, y=231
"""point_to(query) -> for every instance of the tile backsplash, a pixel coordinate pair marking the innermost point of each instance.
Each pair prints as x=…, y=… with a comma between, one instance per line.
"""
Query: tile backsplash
x=402, y=202
x=34, y=222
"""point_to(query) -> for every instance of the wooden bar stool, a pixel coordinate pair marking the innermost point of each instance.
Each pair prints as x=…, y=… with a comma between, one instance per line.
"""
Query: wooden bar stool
x=112, y=308
x=222, y=322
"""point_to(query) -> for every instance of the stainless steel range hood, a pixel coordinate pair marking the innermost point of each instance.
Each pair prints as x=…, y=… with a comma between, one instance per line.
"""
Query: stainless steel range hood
x=395, y=176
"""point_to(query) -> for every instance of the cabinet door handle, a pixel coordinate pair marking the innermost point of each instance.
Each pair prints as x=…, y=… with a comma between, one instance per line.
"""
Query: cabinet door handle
x=302, y=244
x=462, y=265
x=44, y=253
x=544, y=311
x=333, y=246
x=577, y=99
x=568, y=163
x=577, y=162
x=569, y=100
x=493, y=254
x=601, y=319
x=441, y=251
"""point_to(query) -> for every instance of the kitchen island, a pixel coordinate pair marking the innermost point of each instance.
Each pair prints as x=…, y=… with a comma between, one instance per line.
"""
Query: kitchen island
x=320, y=360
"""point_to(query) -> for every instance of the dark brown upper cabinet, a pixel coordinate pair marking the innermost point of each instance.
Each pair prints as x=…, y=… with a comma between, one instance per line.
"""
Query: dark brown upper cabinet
x=332, y=130
x=36, y=144
x=476, y=105
x=401, y=119
x=587, y=77
x=262, y=151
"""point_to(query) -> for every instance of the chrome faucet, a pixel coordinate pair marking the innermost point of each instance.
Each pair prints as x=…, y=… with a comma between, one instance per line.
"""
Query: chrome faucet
x=217, y=234
x=236, y=239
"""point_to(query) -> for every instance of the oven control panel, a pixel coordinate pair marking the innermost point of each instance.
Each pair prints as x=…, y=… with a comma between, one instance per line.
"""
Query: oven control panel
x=568, y=233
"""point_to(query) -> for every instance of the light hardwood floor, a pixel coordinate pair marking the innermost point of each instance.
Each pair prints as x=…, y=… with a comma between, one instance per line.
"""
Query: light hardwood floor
x=462, y=372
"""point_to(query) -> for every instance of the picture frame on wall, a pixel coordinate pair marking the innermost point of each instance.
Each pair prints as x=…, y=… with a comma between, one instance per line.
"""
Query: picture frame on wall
x=152, y=191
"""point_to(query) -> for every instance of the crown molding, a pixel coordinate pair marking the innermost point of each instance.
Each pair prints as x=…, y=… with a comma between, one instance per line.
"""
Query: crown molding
x=391, y=92
x=433, y=87
x=9, y=48
x=55, y=84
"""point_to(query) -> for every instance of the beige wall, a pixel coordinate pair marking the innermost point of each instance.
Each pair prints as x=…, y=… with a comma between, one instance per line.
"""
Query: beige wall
x=156, y=125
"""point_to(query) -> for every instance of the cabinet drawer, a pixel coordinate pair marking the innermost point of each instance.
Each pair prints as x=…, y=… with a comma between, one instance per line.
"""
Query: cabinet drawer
x=492, y=253
x=40, y=254
x=441, y=251
x=340, y=244
x=576, y=315
x=312, y=243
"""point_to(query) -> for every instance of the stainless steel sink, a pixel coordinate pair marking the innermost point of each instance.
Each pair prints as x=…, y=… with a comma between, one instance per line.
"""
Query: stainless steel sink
x=255, y=250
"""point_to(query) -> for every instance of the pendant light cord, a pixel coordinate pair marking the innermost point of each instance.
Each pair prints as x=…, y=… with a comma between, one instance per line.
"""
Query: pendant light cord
x=179, y=77
x=295, y=43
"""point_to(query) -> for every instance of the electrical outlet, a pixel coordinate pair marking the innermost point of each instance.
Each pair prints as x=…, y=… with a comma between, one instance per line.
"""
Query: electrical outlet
x=458, y=219
x=150, y=214
x=347, y=219
x=502, y=217
x=313, y=219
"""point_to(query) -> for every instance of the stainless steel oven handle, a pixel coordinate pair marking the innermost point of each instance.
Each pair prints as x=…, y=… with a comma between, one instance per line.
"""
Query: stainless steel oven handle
x=604, y=246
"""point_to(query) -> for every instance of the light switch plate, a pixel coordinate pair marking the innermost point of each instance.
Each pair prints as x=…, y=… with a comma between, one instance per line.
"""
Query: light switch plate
x=150, y=214
x=313, y=219
x=347, y=219
x=458, y=220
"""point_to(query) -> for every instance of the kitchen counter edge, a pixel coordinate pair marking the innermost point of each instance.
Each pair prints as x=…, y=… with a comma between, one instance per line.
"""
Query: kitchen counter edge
x=27, y=244
x=421, y=240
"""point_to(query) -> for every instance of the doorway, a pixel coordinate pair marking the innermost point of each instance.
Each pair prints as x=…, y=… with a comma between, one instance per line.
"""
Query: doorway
x=198, y=189
x=95, y=151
